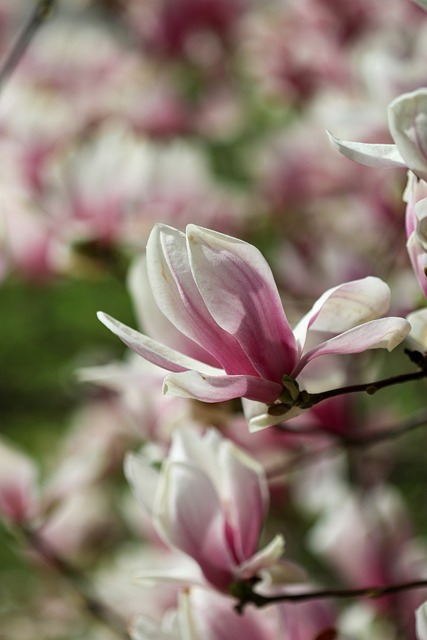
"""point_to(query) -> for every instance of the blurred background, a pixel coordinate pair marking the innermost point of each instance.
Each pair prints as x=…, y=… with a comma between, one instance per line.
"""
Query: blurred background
x=124, y=113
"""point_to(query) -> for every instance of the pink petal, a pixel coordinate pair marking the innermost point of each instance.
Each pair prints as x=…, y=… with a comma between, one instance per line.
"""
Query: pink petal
x=345, y=306
x=217, y=388
x=179, y=299
x=205, y=614
x=151, y=350
x=155, y=323
x=238, y=288
x=372, y=155
x=201, y=450
x=385, y=333
x=189, y=514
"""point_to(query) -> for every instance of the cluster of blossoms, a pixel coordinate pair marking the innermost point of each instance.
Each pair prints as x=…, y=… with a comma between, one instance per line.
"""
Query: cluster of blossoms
x=142, y=137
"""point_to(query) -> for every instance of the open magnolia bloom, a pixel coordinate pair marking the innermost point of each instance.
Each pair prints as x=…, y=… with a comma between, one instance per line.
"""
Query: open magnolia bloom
x=219, y=292
x=407, y=119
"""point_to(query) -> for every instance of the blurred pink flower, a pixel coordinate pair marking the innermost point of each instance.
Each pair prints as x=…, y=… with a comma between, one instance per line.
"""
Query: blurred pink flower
x=209, y=500
x=421, y=615
x=219, y=292
x=173, y=28
x=18, y=485
x=407, y=119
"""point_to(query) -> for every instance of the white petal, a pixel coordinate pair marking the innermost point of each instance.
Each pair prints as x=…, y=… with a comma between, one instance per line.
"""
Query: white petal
x=345, y=306
x=385, y=333
x=143, y=478
x=408, y=126
x=264, y=559
x=220, y=388
x=372, y=155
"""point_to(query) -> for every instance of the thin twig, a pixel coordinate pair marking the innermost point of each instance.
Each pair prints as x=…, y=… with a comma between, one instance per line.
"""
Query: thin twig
x=248, y=596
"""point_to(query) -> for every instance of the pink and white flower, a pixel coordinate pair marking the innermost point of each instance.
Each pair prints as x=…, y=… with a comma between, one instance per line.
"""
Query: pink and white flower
x=220, y=293
x=209, y=500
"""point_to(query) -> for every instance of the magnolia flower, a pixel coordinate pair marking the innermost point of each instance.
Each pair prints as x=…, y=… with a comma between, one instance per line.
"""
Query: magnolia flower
x=407, y=119
x=209, y=500
x=219, y=292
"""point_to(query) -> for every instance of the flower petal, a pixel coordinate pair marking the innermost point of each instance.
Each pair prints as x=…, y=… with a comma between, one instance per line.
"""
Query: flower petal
x=372, y=155
x=217, y=388
x=421, y=621
x=418, y=322
x=345, y=306
x=155, y=323
x=189, y=514
x=264, y=559
x=408, y=126
x=258, y=418
x=178, y=297
x=151, y=350
x=143, y=478
x=385, y=333
x=209, y=615
x=238, y=288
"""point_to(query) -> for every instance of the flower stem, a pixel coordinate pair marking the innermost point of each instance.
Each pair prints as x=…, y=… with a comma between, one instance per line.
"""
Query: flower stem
x=248, y=596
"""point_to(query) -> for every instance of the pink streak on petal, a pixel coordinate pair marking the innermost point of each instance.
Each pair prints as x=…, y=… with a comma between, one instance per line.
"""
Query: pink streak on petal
x=217, y=388
x=371, y=155
x=238, y=288
x=151, y=350
x=246, y=491
x=179, y=299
